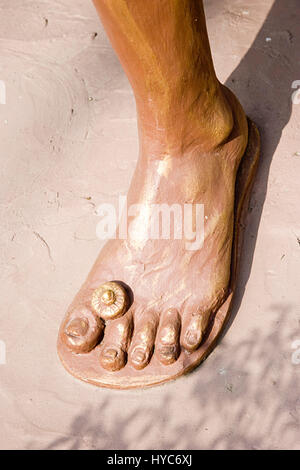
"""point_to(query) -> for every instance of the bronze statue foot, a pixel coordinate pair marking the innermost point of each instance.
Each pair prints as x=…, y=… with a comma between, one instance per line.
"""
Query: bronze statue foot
x=143, y=346
x=198, y=156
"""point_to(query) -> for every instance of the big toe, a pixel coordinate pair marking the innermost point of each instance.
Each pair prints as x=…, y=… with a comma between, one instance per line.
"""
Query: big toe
x=168, y=348
x=77, y=327
x=82, y=331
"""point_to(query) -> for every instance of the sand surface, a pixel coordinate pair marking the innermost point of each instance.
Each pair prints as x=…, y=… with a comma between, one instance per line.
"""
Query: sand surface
x=68, y=143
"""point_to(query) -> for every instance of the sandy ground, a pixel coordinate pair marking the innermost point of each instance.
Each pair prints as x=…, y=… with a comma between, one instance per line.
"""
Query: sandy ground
x=69, y=143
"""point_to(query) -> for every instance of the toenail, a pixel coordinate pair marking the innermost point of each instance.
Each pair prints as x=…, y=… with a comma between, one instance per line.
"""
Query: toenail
x=139, y=355
x=110, y=354
x=192, y=337
x=77, y=327
x=168, y=350
x=169, y=353
x=113, y=359
x=110, y=300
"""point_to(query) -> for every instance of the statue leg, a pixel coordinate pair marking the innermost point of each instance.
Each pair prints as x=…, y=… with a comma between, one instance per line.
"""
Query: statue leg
x=164, y=49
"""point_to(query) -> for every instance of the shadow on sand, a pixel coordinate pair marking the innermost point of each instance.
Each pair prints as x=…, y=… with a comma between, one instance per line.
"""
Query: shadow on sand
x=263, y=83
